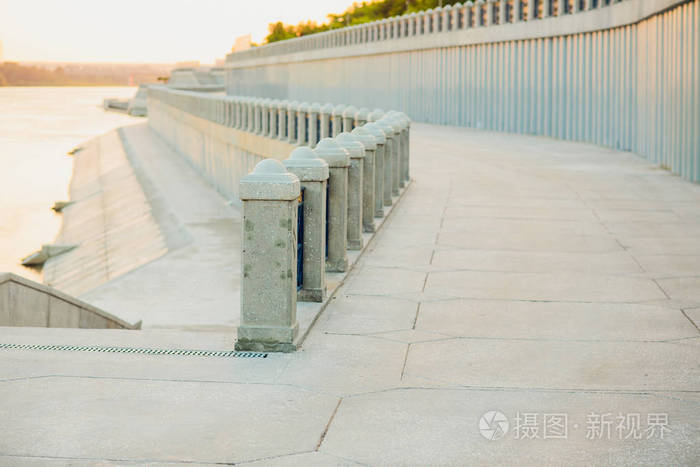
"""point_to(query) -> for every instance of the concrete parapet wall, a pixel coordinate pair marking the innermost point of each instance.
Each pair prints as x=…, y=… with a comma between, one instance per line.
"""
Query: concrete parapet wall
x=622, y=74
x=223, y=155
x=27, y=303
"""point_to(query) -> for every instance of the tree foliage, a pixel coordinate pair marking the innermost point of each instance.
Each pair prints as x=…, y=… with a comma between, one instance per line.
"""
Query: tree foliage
x=358, y=13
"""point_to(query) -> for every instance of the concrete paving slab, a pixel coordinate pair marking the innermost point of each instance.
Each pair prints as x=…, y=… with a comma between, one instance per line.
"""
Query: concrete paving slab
x=658, y=366
x=75, y=418
x=557, y=321
x=431, y=427
x=567, y=287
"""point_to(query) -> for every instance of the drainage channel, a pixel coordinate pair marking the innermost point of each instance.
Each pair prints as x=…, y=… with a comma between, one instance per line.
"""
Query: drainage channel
x=136, y=350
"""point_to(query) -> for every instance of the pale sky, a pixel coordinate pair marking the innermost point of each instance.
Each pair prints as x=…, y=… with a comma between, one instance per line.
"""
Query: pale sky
x=158, y=31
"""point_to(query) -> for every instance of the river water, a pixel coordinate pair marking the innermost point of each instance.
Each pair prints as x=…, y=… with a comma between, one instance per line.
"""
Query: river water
x=38, y=126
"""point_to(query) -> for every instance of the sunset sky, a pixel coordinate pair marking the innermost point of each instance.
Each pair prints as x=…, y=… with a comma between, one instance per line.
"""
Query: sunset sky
x=163, y=31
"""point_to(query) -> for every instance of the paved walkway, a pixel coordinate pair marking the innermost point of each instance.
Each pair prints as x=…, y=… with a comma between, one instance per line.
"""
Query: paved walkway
x=536, y=278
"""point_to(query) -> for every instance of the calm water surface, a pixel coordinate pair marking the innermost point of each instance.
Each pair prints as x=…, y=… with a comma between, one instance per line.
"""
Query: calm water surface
x=37, y=127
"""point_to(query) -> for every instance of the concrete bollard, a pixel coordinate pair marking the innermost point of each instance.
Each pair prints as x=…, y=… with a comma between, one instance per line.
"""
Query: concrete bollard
x=273, y=131
x=282, y=121
x=338, y=160
x=265, y=117
x=405, y=145
x=395, y=151
x=313, y=124
x=337, y=120
x=250, y=119
x=389, y=158
x=292, y=121
x=355, y=184
x=375, y=115
x=325, y=118
x=380, y=139
x=399, y=123
x=362, y=116
x=257, y=116
x=268, y=284
x=368, y=180
x=313, y=176
x=302, y=130
x=349, y=118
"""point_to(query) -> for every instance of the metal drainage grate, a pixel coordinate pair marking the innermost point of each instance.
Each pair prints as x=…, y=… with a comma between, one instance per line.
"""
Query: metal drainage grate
x=136, y=350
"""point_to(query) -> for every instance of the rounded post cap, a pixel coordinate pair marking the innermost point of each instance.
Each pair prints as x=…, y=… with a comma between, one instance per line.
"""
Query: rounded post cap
x=377, y=131
x=292, y=105
x=365, y=137
x=330, y=151
x=447, y=8
x=350, y=111
x=398, y=122
x=305, y=164
x=376, y=115
x=338, y=110
x=304, y=107
x=388, y=126
x=315, y=107
x=269, y=180
x=362, y=114
x=352, y=143
x=327, y=108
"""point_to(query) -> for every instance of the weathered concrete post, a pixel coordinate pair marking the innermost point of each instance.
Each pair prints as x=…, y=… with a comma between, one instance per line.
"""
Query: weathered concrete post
x=389, y=158
x=380, y=139
x=265, y=117
x=357, y=155
x=313, y=124
x=362, y=116
x=282, y=121
x=401, y=121
x=291, y=121
x=313, y=176
x=302, y=112
x=370, y=144
x=349, y=118
x=257, y=117
x=268, y=284
x=251, y=115
x=338, y=160
x=274, y=129
x=395, y=155
x=326, y=112
x=405, y=145
x=337, y=122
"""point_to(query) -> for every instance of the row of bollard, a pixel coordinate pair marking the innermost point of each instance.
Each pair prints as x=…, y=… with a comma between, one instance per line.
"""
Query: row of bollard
x=297, y=123
x=346, y=182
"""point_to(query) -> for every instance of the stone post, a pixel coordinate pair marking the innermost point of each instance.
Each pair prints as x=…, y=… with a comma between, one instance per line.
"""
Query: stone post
x=337, y=122
x=314, y=110
x=282, y=121
x=380, y=139
x=302, y=112
x=325, y=117
x=357, y=155
x=268, y=283
x=257, y=116
x=313, y=175
x=349, y=118
x=338, y=160
x=404, y=123
x=368, y=177
x=362, y=116
x=395, y=155
x=389, y=158
x=273, y=128
x=250, y=127
x=292, y=121
x=532, y=10
x=265, y=117
x=375, y=115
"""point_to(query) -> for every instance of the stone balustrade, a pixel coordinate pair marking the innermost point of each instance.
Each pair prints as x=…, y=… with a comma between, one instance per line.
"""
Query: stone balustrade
x=450, y=18
x=344, y=165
